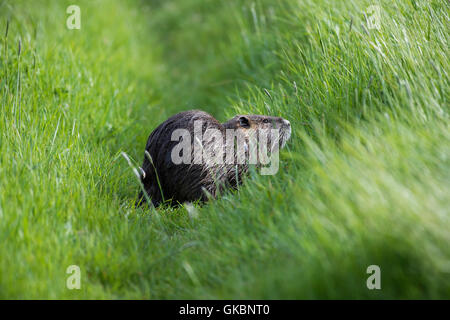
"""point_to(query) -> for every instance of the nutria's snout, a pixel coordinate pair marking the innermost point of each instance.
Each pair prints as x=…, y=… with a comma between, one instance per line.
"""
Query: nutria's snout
x=285, y=131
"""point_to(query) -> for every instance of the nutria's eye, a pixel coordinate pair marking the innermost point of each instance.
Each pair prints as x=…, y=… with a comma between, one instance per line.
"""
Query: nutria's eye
x=243, y=121
x=266, y=120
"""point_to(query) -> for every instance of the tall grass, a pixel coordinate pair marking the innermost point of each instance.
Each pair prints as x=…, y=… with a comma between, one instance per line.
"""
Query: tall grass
x=364, y=179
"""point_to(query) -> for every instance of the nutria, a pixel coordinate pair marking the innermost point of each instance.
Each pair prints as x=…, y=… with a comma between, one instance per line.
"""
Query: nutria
x=192, y=180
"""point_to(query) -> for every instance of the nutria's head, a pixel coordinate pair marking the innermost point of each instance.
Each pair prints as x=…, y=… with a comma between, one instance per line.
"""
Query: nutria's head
x=245, y=122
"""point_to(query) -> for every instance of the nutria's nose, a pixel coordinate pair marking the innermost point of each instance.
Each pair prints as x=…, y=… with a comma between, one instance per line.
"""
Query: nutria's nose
x=286, y=122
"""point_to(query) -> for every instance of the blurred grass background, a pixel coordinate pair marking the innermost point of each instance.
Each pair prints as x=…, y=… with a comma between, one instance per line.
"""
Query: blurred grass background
x=364, y=179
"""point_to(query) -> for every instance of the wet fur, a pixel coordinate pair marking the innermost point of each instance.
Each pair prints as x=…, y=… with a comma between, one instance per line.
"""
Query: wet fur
x=190, y=182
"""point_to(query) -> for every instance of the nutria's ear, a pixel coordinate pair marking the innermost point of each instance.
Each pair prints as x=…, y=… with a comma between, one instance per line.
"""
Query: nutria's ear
x=244, y=122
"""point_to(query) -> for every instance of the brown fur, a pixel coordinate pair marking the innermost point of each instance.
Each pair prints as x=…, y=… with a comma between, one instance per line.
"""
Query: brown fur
x=190, y=182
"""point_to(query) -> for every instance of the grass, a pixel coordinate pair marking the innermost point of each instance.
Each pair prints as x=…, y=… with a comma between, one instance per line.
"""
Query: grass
x=364, y=179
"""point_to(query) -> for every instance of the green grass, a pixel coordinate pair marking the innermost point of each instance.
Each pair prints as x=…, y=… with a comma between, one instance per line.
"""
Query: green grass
x=364, y=179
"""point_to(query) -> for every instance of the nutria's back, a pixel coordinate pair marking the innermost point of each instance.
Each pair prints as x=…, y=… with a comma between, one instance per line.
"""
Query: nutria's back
x=173, y=167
